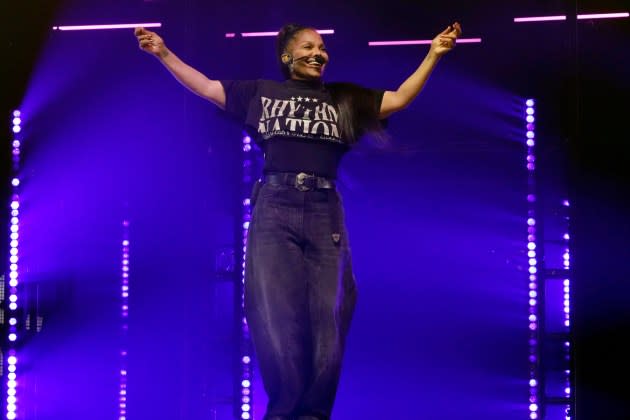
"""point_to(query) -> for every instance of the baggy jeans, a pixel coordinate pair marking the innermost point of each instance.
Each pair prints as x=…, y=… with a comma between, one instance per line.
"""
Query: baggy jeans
x=300, y=294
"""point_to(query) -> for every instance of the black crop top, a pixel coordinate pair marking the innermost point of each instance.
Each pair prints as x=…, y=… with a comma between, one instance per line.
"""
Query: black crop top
x=294, y=122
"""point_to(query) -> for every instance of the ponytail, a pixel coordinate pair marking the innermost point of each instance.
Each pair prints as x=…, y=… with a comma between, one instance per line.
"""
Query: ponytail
x=358, y=113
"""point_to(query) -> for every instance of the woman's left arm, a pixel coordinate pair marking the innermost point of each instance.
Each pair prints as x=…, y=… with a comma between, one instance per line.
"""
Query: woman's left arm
x=396, y=100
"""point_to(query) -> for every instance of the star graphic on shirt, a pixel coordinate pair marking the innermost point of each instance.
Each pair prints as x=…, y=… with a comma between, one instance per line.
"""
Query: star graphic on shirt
x=293, y=98
x=307, y=99
x=299, y=99
x=314, y=99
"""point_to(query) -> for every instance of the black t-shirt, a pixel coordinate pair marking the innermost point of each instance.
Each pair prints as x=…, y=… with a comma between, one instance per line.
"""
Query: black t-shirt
x=294, y=122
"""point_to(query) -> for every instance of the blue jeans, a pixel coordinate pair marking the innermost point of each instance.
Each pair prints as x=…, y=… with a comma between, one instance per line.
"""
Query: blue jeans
x=300, y=294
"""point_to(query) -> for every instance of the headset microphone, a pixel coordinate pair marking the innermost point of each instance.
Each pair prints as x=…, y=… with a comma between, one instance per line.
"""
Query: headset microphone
x=290, y=60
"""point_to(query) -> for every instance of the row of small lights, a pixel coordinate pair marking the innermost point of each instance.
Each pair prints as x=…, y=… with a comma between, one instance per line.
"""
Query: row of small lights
x=246, y=411
x=11, y=412
x=531, y=257
x=11, y=408
x=124, y=294
x=567, y=311
x=533, y=283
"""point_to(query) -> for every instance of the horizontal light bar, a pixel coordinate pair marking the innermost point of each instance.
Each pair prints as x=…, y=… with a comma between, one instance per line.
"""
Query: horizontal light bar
x=604, y=16
x=420, y=42
x=116, y=26
x=255, y=34
x=539, y=19
x=386, y=43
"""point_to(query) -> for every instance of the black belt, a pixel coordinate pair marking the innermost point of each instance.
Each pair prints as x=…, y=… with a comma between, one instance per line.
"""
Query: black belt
x=301, y=181
x=306, y=182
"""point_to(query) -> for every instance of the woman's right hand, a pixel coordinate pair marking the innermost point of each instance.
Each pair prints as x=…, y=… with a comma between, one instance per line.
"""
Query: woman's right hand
x=150, y=42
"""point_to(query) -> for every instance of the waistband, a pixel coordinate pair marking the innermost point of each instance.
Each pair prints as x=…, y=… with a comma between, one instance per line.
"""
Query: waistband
x=305, y=182
x=302, y=181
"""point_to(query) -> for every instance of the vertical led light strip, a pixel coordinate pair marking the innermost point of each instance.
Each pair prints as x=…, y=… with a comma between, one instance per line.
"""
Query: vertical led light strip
x=245, y=404
x=532, y=261
x=12, y=360
x=122, y=397
x=567, y=309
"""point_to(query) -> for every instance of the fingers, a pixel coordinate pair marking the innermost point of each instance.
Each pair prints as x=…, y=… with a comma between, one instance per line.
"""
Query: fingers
x=141, y=33
x=447, y=30
x=447, y=44
x=147, y=40
x=448, y=38
x=457, y=28
x=452, y=32
x=447, y=41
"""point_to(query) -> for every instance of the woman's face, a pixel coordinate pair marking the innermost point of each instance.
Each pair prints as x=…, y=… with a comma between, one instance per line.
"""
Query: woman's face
x=306, y=45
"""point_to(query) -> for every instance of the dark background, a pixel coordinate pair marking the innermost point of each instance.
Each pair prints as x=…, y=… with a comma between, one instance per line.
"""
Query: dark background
x=578, y=71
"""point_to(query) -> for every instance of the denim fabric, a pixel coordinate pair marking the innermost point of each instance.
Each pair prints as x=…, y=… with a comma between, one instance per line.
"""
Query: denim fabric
x=300, y=294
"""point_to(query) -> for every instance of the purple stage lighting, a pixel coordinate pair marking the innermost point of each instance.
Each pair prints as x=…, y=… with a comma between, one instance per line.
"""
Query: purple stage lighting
x=272, y=33
x=604, y=16
x=539, y=19
x=617, y=15
x=245, y=407
x=13, y=277
x=533, y=318
x=124, y=312
x=566, y=283
x=101, y=27
x=257, y=34
x=420, y=42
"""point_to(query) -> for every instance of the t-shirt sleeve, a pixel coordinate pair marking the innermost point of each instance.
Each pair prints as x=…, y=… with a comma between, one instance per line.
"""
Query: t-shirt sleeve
x=238, y=95
x=378, y=99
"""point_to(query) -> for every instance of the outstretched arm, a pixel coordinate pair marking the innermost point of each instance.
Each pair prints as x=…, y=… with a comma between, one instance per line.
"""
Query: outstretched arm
x=396, y=100
x=191, y=78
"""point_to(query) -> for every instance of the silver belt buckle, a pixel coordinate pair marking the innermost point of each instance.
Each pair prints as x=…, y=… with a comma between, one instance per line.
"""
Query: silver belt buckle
x=299, y=182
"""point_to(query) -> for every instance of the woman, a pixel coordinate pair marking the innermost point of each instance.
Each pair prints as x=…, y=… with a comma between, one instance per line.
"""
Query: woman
x=300, y=289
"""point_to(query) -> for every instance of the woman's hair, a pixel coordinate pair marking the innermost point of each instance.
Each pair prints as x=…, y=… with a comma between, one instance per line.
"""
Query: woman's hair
x=358, y=115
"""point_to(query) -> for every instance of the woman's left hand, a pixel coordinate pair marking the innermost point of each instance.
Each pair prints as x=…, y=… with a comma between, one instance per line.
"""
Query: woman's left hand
x=445, y=40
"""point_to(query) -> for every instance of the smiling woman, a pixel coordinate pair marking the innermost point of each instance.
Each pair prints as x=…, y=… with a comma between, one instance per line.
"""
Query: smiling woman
x=300, y=290
x=301, y=52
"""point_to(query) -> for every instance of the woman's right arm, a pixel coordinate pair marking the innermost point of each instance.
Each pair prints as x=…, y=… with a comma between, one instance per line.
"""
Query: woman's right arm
x=191, y=78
